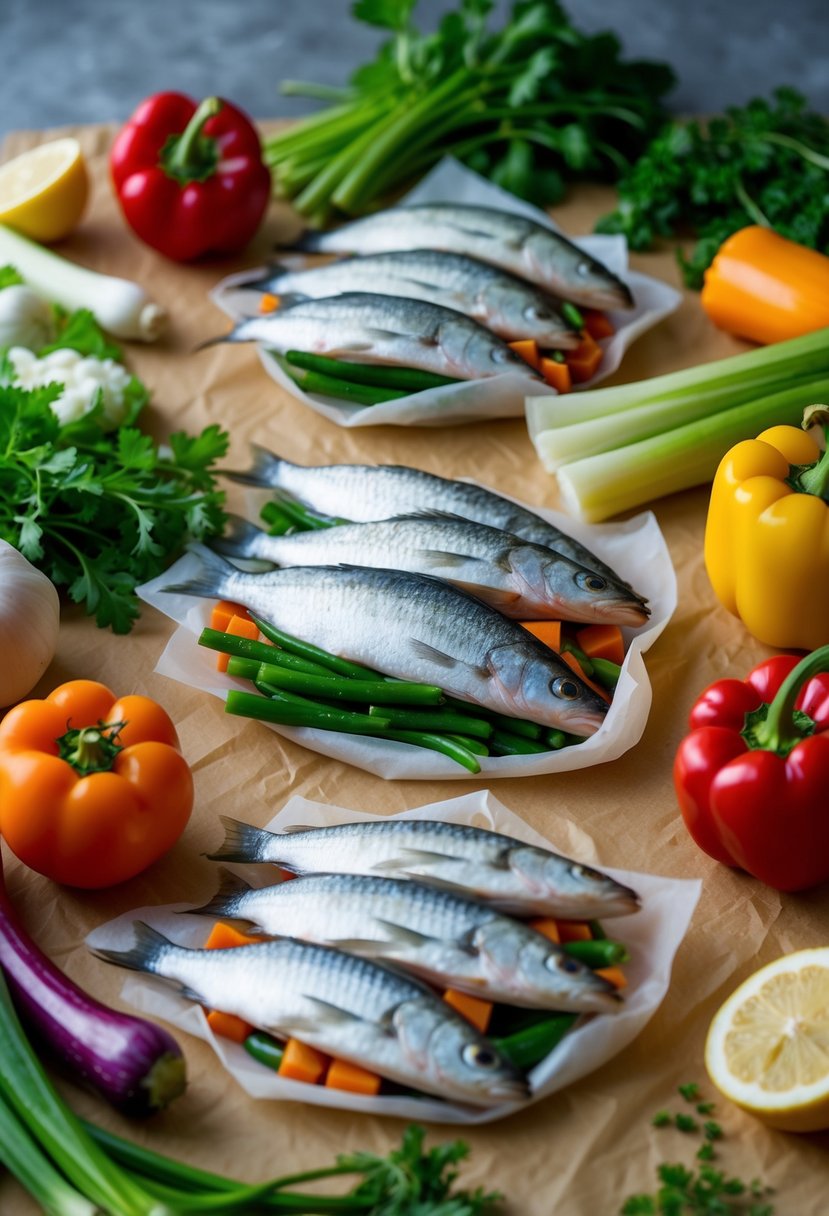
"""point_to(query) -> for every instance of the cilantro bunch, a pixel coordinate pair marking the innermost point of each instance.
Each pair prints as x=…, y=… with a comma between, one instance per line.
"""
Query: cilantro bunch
x=765, y=163
x=532, y=105
x=100, y=512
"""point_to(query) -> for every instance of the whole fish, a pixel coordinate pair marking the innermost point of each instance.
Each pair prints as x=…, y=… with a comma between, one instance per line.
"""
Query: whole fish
x=371, y=492
x=445, y=939
x=512, y=242
x=521, y=580
x=413, y=627
x=340, y=1004
x=514, y=877
x=385, y=329
x=509, y=306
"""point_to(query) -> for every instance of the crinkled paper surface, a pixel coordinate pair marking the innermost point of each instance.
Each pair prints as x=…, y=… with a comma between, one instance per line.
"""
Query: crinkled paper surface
x=582, y=1150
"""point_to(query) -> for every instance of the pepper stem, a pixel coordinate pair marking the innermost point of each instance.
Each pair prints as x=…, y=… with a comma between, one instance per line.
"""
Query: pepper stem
x=192, y=156
x=91, y=749
x=815, y=478
x=779, y=731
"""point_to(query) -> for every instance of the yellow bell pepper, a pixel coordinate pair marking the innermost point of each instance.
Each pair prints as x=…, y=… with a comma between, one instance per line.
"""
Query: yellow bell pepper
x=767, y=535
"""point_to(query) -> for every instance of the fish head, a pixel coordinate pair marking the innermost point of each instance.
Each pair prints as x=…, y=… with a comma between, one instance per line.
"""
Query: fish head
x=531, y=685
x=515, y=314
x=550, y=878
x=572, y=273
x=474, y=353
x=459, y=1062
x=538, y=974
x=555, y=585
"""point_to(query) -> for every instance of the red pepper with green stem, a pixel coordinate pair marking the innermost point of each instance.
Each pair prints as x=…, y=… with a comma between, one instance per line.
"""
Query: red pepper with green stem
x=190, y=178
x=752, y=777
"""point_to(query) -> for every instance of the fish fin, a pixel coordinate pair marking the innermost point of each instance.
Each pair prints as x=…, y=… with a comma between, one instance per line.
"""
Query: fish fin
x=433, y=514
x=494, y=596
x=409, y=857
x=444, y=560
x=334, y=1015
x=148, y=946
x=366, y=947
x=403, y=935
x=440, y=884
x=263, y=471
x=242, y=842
x=424, y=651
x=267, y=281
x=248, y=330
x=211, y=579
x=307, y=242
x=298, y=827
x=237, y=538
x=230, y=888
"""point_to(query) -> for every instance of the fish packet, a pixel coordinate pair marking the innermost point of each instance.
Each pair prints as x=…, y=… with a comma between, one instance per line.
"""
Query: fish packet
x=652, y=934
x=500, y=396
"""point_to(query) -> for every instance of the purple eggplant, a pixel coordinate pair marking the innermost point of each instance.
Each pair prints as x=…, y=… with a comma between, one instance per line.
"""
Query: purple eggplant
x=134, y=1064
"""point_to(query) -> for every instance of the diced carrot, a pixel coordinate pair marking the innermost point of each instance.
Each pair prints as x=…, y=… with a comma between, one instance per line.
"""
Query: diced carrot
x=302, y=1063
x=556, y=374
x=548, y=632
x=574, y=931
x=240, y=627
x=547, y=927
x=615, y=974
x=223, y=613
x=597, y=324
x=475, y=1010
x=229, y=1026
x=225, y=937
x=269, y=302
x=575, y=666
x=583, y=362
x=344, y=1075
x=602, y=642
x=528, y=350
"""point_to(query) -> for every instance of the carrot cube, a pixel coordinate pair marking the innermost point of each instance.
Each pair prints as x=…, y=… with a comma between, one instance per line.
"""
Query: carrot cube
x=351, y=1077
x=615, y=975
x=225, y=937
x=547, y=927
x=575, y=666
x=475, y=1010
x=229, y=1026
x=602, y=642
x=239, y=627
x=302, y=1063
x=556, y=374
x=528, y=351
x=597, y=324
x=574, y=931
x=548, y=632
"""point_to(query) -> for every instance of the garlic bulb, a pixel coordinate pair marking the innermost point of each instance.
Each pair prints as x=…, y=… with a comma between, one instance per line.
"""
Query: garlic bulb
x=25, y=318
x=29, y=623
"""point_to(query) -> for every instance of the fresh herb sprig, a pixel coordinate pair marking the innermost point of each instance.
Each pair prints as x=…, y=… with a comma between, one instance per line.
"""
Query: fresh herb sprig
x=764, y=163
x=533, y=104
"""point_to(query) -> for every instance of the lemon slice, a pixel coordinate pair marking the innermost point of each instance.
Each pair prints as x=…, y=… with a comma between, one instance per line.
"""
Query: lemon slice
x=43, y=191
x=768, y=1047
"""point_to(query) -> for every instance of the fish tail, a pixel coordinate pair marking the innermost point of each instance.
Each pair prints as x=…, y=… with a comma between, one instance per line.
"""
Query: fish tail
x=225, y=899
x=240, y=538
x=211, y=581
x=308, y=241
x=249, y=330
x=269, y=281
x=265, y=469
x=145, y=954
x=242, y=842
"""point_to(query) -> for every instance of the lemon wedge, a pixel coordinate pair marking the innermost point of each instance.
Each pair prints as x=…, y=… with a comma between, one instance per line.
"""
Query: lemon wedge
x=43, y=191
x=768, y=1047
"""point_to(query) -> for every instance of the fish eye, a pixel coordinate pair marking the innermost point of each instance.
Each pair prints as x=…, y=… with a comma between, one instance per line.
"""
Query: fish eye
x=479, y=1056
x=568, y=690
x=562, y=962
x=591, y=582
x=502, y=355
x=583, y=268
x=533, y=313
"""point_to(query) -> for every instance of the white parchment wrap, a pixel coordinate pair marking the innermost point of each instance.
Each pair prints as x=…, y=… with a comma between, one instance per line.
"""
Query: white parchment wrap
x=472, y=401
x=653, y=935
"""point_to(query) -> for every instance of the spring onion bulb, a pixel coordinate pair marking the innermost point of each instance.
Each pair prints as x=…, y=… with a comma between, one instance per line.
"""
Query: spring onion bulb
x=123, y=308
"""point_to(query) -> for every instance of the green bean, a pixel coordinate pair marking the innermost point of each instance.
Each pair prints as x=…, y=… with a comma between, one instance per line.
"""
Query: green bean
x=602, y=953
x=347, y=390
x=264, y=1048
x=597, y=929
x=518, y=726
x=292, y=712
x=336, y=688
x=307, y=650
x=477, y=746
x=303, y=518
x=446, y=721
x=244, y=669
x=527, y=1047
x=572, y=315
x=411, y=379
x=436, y=743
x=568, y=647
x=228, y=643
x=503, y=743
x=278, y=522
x=555, y=739
x=606, y=673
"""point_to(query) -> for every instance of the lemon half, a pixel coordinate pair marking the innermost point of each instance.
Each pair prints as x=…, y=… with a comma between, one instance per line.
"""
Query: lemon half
x=768, y=1047
x=43, y=191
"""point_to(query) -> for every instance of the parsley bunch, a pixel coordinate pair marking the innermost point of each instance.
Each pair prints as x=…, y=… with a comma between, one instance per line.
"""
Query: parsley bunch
x=100, y=512
x=764, y=163
x=532, y=105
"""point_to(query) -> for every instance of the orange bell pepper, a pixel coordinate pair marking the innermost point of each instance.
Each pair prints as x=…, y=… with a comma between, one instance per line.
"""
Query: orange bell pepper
x=93, y=788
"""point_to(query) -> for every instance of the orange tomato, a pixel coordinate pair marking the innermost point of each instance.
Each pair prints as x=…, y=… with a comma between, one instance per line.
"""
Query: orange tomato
x=93, y=788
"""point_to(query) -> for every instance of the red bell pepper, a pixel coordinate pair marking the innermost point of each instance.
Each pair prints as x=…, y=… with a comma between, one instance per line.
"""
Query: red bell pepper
x=752, y=777
x=190, y=178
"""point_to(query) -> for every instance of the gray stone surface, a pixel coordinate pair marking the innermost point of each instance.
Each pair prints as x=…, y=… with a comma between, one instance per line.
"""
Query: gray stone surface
x=71, y=61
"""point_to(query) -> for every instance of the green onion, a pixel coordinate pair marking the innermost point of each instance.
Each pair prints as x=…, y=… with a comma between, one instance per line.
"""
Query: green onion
x=277, y=520
x=412, y=379
x=22, y=1157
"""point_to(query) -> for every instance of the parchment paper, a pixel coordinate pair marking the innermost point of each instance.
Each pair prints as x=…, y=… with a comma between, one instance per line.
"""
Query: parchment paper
x=581, y=1151
x=498, y=397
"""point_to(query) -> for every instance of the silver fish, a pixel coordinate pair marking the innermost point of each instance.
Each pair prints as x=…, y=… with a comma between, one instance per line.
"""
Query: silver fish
x=501, y=238
x=509, y=306
x=521, y=580
x=442, y=938
x=413, y=627
x=517, y=878
x=387, y=330
x=340, y=1004
x=371, y=492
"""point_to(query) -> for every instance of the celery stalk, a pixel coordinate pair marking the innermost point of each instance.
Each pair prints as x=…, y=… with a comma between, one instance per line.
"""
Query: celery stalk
x=603, y=485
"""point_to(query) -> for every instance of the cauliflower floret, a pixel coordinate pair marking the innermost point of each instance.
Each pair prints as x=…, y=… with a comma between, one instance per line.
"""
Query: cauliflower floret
x=83, y=378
